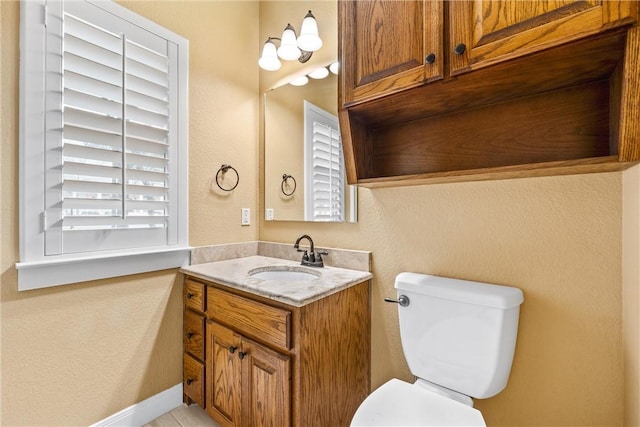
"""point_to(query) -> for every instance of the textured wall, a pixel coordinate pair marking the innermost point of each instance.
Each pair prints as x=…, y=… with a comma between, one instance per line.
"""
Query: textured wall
x=75, y=354
x=631, y=294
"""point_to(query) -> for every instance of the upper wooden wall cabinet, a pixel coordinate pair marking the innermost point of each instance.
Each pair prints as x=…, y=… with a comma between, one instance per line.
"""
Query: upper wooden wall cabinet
x=434, y=91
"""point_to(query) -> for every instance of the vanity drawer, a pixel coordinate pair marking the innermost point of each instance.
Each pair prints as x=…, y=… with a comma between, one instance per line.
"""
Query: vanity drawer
x=193, y=379
x=193, y=337
x=194, y=295
x=261, y=321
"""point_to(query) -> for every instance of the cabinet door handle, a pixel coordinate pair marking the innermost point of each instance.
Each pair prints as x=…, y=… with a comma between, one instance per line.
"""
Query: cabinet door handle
x=189, y=381
x=232, y=349
x=190, y=295
x=459, y=50
x=430, y=59
x=190, y=334
x=242, y=354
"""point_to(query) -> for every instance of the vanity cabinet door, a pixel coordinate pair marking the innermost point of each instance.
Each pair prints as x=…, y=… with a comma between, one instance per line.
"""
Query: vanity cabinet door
x=266, y=385
x=223, y=377
x=498, y=30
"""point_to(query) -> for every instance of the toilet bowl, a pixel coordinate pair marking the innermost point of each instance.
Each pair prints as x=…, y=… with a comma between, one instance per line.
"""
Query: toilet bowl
x=458, y=338
x=398, y=403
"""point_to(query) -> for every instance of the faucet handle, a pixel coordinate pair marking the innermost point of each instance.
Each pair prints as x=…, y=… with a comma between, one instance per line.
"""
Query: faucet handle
x=319, y=257
x=305, y=255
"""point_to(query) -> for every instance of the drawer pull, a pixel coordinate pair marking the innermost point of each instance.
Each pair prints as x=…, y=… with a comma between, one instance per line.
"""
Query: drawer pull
x=232, y=349
x=189, y=381
x=190, y=295
x=242, y=354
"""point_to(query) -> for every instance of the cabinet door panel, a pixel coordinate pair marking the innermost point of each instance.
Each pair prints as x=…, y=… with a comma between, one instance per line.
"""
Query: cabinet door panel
x=223, y=374
x=266, y=387
x=498, y=30
x=384, y=45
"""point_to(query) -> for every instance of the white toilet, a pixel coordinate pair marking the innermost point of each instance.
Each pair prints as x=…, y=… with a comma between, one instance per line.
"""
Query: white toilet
x=458, y=338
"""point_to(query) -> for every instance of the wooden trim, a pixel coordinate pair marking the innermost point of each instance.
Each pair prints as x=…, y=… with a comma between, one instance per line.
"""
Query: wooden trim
x=629, y=131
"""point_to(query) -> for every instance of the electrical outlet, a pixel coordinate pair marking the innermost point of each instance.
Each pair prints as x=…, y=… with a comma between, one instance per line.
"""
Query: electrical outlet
x=246, y=216
x=269, y=214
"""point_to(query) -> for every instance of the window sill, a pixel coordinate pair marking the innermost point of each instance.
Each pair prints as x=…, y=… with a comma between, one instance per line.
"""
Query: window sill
x=44, y=274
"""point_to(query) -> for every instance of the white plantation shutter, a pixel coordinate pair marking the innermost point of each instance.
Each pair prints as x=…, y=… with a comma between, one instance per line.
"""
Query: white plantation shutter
x=114, y=164
x=325, y=175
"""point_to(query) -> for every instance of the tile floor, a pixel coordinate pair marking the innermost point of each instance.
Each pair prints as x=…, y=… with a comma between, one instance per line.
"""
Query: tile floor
x=184, y=416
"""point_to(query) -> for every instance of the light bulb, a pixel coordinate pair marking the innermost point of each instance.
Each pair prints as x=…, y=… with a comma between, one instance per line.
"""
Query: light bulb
x=299, y=81
x=320, y=73
x=334, y=67
x=269, y=60
x=309, y=39
x=288, y=49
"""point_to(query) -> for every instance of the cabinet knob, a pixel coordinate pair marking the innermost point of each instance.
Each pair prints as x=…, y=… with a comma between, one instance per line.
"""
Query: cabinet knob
x=242, y=354
x=189, y=381
x=190, y=334
x=190, y=295
x=232, y=349
x=430, y=59
x=459, y=50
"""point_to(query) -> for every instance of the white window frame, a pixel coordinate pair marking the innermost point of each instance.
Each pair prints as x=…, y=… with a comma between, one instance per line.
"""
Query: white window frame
x=313, y=113
x=37, y=270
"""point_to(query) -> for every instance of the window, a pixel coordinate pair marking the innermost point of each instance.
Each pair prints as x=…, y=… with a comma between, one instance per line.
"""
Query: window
x=103, y=144
x=324, y=166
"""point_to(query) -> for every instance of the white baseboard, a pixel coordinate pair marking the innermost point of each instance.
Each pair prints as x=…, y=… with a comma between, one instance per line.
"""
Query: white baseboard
x=143, y=412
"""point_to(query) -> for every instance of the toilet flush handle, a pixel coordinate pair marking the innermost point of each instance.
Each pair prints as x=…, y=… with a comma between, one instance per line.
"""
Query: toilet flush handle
x=403, y=300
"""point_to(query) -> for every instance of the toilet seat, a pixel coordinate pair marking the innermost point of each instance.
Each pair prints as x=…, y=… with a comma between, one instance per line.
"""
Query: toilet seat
x=398, y=403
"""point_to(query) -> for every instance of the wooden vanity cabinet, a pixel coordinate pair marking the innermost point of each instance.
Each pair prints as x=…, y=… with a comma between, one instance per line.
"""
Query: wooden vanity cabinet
x=274, y=364
x=515, y=89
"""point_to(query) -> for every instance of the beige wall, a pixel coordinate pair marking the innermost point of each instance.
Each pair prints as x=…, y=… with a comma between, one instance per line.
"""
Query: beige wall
x=75, y=354
x=631, y=294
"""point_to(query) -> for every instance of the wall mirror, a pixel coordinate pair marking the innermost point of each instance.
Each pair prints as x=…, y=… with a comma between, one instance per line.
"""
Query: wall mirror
x=304, y=165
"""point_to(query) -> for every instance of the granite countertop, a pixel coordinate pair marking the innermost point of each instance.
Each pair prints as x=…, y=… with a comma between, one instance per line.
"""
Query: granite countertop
x=234, y=273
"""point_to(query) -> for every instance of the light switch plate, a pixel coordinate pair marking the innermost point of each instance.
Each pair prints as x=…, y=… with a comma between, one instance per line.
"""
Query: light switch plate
x=246, y=216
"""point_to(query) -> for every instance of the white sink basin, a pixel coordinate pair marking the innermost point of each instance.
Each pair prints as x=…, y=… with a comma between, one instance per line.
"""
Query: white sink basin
x=284, y=273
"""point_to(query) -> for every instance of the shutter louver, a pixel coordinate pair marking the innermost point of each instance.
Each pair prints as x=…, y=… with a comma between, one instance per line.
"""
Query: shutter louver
x=115, y=131
x=328, y=174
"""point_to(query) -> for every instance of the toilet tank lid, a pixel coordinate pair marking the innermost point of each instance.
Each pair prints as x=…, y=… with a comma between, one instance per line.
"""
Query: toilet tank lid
x=470, y=292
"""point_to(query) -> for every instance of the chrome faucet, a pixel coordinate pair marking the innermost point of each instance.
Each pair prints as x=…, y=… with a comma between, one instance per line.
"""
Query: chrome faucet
x=311, y=258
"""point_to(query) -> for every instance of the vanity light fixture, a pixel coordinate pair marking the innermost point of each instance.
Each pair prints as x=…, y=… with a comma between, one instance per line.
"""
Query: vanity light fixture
x=291, y=47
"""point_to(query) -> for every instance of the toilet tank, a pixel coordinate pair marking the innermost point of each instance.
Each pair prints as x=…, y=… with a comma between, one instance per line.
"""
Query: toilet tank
x=459, y=334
